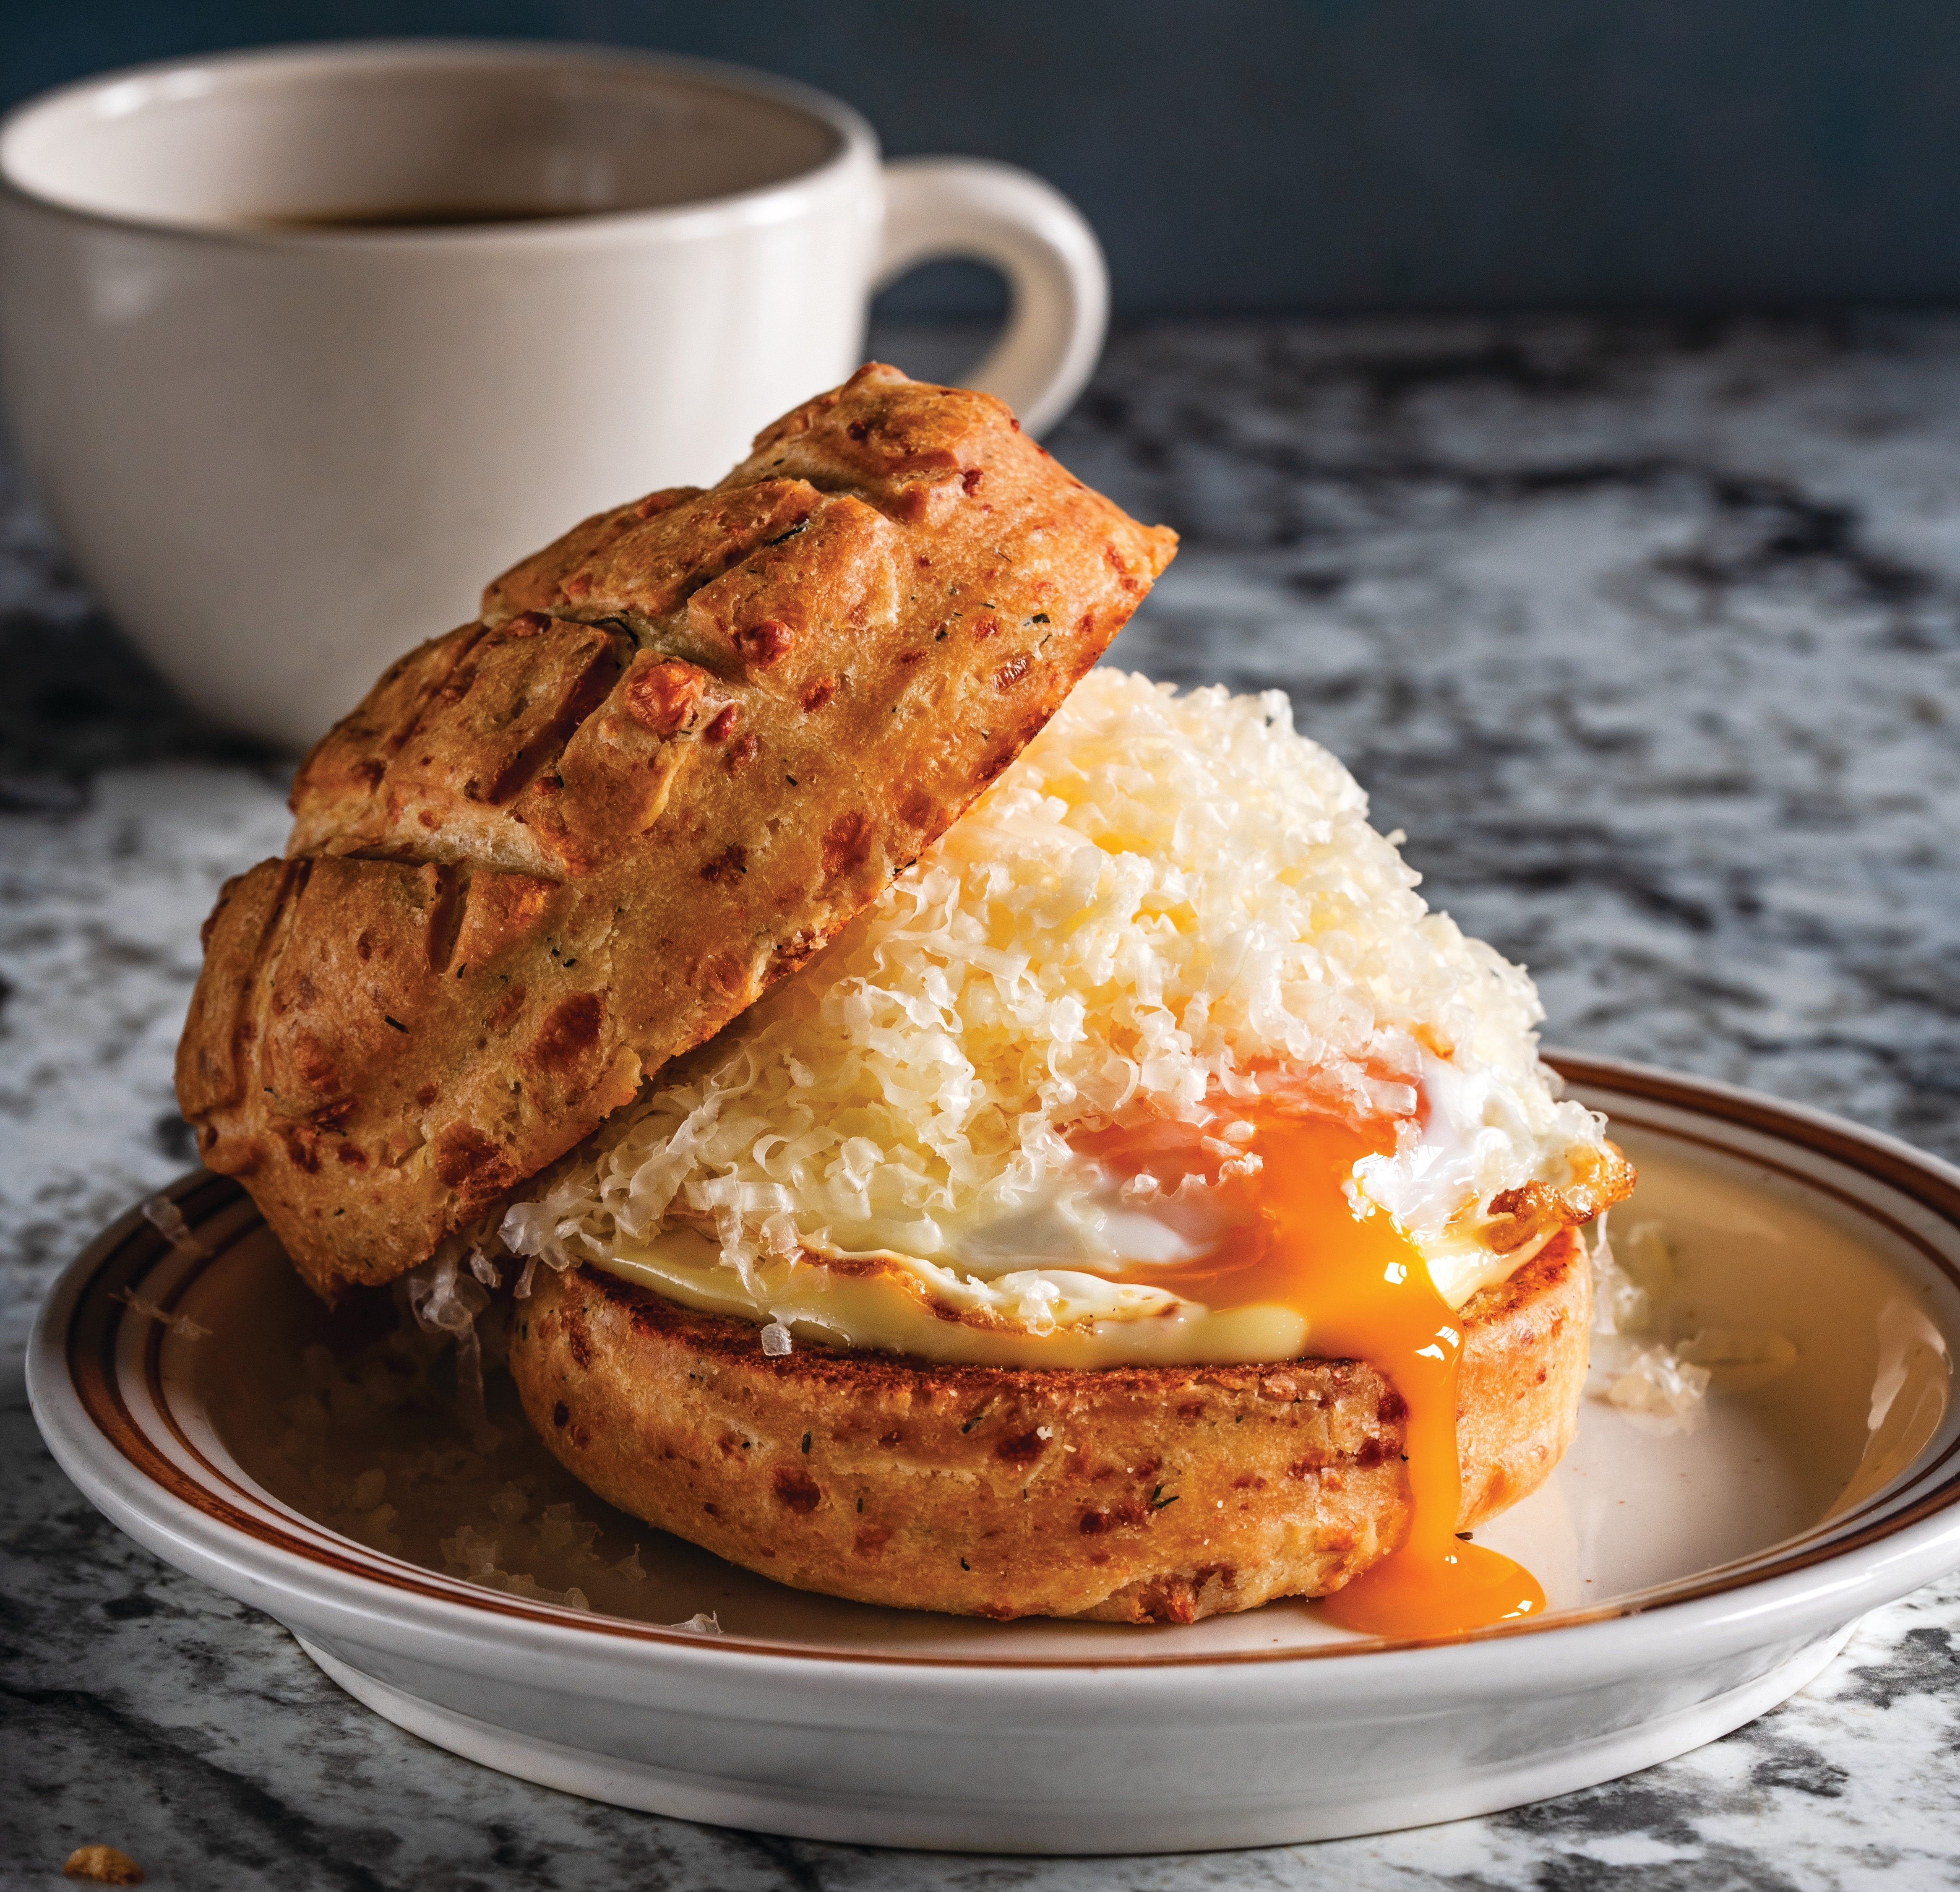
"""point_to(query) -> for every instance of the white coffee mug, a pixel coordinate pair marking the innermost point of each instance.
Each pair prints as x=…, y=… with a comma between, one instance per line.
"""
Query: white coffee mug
x=302, y=347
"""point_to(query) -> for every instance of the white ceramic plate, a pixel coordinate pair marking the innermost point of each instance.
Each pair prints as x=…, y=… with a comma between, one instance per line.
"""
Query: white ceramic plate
x=1695, y=1580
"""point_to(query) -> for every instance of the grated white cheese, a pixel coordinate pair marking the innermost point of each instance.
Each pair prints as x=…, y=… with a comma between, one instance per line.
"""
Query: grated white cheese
x=182, y=1325
x=1635, y=1366
x=1167, y=901
x=1631, y=1365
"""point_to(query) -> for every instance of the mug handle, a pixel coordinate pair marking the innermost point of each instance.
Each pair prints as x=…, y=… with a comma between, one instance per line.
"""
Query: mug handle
x=1057, y=284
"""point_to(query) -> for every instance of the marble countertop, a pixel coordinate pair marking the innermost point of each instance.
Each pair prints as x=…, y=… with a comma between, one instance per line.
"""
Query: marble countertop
x=1649, y=638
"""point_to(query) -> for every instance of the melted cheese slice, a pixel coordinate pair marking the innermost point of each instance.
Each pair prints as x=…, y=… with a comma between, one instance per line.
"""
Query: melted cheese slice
x=1089, y=1277
x=895, y=1304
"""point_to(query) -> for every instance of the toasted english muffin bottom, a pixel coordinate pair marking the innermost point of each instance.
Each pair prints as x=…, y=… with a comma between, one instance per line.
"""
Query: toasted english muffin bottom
x=1129, y=1494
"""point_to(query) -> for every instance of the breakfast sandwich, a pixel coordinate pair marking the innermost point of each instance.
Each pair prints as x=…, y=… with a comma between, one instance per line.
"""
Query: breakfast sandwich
x=964, y=1145
x=1145, y=1208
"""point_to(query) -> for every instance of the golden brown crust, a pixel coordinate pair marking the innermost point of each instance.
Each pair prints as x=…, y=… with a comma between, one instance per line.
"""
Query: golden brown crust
x=1513, y=1218
x=1129, y=1494
x=683, y=746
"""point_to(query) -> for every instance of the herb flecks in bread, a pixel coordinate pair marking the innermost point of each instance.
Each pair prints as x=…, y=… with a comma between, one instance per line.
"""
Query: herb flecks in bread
x=682, y=745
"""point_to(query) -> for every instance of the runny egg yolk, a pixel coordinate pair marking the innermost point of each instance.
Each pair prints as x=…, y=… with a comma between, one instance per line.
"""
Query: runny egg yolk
x=1292, y=1237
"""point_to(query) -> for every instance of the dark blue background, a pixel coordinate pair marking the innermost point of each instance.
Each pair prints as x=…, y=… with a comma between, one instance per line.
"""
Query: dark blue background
x=1290, y=154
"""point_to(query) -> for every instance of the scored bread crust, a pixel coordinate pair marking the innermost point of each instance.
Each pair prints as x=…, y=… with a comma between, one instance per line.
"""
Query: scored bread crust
x=681, y=747
x=1127, y=1494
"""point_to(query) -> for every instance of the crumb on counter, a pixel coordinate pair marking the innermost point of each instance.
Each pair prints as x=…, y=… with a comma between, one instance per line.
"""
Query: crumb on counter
x=104, y=1864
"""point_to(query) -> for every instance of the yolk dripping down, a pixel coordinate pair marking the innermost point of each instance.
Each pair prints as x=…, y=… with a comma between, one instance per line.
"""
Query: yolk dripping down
x=1365, y=1290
